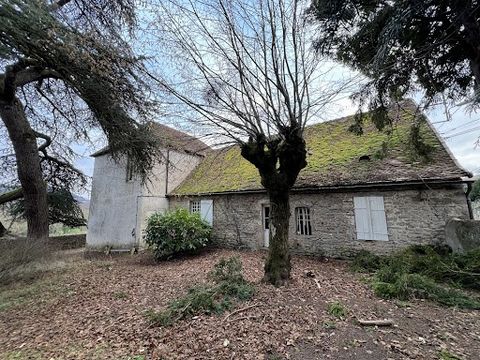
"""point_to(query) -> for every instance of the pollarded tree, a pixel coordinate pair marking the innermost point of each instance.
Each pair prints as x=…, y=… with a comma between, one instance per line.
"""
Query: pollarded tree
x=67, y=69
x=404, y=46
x=246, y=69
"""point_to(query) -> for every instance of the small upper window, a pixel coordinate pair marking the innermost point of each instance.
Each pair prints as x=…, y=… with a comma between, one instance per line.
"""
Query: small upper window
x=195, y=206
x=129, y=176
x=302, y=217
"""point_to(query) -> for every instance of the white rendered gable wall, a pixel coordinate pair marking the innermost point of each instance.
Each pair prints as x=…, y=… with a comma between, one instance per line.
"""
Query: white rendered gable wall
x=119, y=208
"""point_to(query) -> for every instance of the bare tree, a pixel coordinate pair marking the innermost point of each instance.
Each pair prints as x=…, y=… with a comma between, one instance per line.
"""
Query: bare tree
x=246, y=69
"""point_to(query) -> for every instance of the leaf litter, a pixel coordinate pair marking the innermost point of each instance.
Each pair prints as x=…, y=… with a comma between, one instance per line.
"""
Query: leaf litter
x=97, y=312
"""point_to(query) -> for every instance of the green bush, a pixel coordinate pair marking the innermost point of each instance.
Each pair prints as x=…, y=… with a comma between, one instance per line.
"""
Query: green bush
x=176, y=233
x=228, y=286
x=424, y=272
x=475, y=193
x=365, y=261
x=337, y=309
x=406, y=286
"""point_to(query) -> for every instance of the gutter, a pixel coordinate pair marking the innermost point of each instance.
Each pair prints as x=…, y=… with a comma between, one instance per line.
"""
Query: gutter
x=424, y=183
x=469, y=203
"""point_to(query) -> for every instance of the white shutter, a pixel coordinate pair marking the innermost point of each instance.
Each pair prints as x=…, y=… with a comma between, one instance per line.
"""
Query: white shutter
x=206, y=210
x=378, y=218
x=362, y=221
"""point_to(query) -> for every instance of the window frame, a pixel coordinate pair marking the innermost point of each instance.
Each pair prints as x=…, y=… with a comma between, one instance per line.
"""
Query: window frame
x=303, y=221
x=195, y=206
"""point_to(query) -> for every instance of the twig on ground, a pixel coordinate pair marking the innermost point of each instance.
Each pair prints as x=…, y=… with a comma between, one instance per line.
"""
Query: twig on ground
x=384, y=322
x=240, y=310
x=242, y=318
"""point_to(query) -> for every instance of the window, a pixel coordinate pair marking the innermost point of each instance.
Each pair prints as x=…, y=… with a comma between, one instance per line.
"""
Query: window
x=204, y=208
x=129, y=176
x=195, y=206
x=302, y=216
x=370, y=219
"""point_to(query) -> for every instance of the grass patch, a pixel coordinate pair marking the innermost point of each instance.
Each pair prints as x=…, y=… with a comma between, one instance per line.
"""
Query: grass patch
x=447, y=355
x=424, y=272
x=36, y=292
x=337, y=309
x=22, y=355
x=227, y=286
x=120, y=295
x=329, y=325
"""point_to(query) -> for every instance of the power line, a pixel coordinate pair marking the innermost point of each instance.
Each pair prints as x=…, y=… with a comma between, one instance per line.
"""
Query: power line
x=460, y=126
x=462, y=132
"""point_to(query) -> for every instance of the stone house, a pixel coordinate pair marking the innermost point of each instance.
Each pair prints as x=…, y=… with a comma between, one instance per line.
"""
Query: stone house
x=370, y=192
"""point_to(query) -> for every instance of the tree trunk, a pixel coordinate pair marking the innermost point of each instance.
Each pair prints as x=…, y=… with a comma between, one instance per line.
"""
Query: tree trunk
x=3, y=230
x=277, y=266
x=29, y=170
x=279, y=161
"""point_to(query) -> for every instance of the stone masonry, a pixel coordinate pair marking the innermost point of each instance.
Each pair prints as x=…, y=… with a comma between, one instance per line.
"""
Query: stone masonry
x=413, y=217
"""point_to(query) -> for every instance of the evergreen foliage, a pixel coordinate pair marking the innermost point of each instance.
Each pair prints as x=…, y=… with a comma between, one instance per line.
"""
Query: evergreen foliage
x=403, y=46
x=337, y=309
x=475, y=193
x=63, y=208
x=228, y=286
x=425, y=272
x=176, y=233
x=67, y=68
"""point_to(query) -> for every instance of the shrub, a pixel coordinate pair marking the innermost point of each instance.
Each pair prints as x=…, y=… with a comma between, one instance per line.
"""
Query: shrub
x=424, y=272
x=365, y=261
x=228, y=286
x=475, y=193
x=406, y=286
x=337, y=309
x=176, y=233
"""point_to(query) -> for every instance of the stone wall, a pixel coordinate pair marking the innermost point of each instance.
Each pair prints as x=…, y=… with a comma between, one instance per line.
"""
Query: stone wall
x=413, y=217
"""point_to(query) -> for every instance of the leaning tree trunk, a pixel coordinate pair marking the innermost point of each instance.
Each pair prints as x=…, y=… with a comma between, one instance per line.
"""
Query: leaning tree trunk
x=29, y=170
x=277, y=266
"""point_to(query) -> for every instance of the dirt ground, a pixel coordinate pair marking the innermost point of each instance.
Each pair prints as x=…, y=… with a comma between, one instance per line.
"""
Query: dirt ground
x=94, y=309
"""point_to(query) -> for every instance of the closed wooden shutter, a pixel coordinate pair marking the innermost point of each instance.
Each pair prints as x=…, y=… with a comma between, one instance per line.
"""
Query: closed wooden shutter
x=362, y=221
x=378, y=218
x=370, y=219
x=206, y=211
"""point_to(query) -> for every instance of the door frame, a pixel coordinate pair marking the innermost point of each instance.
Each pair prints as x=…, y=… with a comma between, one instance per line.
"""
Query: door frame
x=266, y=229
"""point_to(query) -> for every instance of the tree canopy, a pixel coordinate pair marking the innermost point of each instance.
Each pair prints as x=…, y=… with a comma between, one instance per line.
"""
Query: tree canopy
x=68, y=69
x=404, y=46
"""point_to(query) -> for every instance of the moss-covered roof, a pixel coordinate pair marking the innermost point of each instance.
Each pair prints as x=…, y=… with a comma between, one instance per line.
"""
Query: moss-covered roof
x=336, y=157
x=170, y=138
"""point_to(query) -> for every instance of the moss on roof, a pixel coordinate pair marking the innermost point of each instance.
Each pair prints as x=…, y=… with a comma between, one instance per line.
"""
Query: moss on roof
x=334, y=159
